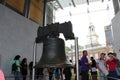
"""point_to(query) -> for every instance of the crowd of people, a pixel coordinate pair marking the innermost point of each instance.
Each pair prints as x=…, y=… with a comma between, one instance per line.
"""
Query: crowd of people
x=23, y=71
x=104, y=68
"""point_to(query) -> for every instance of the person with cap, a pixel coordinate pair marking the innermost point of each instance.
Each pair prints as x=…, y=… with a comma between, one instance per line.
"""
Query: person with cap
x=102, y=67
x=112, y=63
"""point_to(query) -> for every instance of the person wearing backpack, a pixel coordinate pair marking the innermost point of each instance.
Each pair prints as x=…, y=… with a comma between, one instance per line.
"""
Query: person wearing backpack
x=16, y=67
x=93, y=68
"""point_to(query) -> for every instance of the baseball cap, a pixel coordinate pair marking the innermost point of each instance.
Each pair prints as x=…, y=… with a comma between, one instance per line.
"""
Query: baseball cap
x=110, y=53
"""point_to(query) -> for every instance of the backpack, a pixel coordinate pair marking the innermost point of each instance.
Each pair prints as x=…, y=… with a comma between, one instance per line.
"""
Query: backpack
x=14, y=67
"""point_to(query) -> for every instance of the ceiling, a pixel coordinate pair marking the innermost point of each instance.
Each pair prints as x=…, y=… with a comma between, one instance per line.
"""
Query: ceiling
x=61, y=4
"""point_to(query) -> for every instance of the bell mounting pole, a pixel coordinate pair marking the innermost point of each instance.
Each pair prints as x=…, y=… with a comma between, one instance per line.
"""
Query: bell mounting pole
x=35, y=44
x=34, y=60
x=77, y=57
x=44, y=12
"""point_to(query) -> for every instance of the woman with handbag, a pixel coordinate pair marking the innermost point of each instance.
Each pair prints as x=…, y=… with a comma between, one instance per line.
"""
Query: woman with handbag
x=93, y=68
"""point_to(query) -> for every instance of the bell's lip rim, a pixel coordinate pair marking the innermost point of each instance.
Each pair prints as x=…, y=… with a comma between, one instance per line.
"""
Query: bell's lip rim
x=53, y=65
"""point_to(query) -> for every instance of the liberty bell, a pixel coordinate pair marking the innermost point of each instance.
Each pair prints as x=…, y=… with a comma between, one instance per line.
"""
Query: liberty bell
x=53, y=54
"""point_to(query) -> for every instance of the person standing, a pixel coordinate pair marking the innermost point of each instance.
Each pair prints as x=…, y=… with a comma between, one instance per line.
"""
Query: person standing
x=50, y=70
x=24, y=68
x=39, y=73
x=84, y=66
x=17, y=71
x=112, y=63
x=93, y=68
x=67, y=72
x=30, y=69
x=46, y=74
x=102, y=67
x=57, y=73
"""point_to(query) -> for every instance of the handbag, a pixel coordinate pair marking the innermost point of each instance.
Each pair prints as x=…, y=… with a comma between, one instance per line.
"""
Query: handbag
x=93, y=69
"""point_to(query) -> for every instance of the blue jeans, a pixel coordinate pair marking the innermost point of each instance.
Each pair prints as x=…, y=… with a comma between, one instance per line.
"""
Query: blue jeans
x=17, y=75
x=112, y=75
x=102, y=76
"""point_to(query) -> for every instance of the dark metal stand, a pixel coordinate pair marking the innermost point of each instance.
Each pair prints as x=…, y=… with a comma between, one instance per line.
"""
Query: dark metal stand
x=35, y=44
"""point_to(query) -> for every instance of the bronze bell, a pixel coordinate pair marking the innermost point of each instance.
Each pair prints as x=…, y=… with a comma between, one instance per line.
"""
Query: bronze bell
x=53, y=54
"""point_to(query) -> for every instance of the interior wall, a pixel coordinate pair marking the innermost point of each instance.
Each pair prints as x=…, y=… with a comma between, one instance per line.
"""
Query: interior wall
x=17, y=35
x=116, y=32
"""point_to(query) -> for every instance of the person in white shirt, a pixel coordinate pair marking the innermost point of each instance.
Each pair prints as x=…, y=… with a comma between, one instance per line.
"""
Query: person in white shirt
x=46, y=74
x=102, y=68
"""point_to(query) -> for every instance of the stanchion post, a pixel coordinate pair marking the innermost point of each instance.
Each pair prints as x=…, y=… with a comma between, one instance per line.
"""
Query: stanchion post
x=77, y=57
x=34, y=60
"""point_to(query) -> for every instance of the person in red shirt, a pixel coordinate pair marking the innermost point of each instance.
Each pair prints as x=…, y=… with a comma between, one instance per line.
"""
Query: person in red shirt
x=112, y=64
